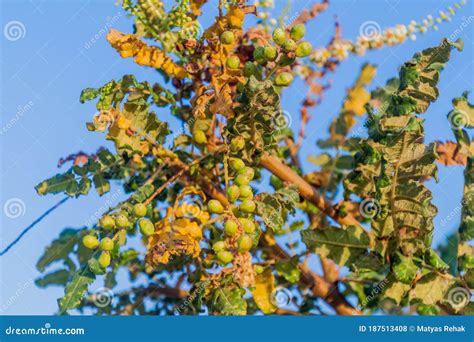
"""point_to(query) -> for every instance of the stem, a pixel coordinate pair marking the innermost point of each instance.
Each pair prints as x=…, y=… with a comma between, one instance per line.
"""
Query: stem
x=275, y=166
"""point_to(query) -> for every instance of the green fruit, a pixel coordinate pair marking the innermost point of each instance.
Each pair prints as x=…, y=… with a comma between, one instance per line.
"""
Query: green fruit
x=233, y=62
x=106, y=244
x=241, y=180
x=218, y=246
x=259, y=55
x=121, y=221
x=247, y=225
x=247, y=172
x=247, y=206
x=104, y=259
x=250, y=69
x=258, y=269
x=230, y=228
x=236, y=164
x=245, y=243
x=303, y=49
x=225, y=257
x=215, y=207
x=107, y=222
x=233, y=193
x=246, y=191
x=139, y=209
x=279, y=36
x=227, y=37
x=297, y=32
x=90, y=241
x=270, y=53
x=199, y=136
x=237, y=144
x=146, y=227
x=289, y=45
x=284, y=79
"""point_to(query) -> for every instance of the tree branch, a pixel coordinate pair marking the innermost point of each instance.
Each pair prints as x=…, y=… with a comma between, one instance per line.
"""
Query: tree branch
x=275, y=166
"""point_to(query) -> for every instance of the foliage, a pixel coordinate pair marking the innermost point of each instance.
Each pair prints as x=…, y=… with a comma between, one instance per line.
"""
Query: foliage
x=196, y=233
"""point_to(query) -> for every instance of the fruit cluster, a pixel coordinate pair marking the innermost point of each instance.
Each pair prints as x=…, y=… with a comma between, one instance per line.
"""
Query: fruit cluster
x=121, y=221
x=283, y=53
x=240, y=232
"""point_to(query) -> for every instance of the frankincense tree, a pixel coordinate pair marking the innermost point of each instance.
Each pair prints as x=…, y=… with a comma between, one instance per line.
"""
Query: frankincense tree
x=198, y=233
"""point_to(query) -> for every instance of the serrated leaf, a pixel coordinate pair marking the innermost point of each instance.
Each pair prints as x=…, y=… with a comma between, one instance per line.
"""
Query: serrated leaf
x=60, y=183
x=101, y=184
x=229, y=301
x=405, y=269
x=59, y=277
x=431, y=289
x=343, y=245
x=396, y=291
x=76, y=289
x=59, y=249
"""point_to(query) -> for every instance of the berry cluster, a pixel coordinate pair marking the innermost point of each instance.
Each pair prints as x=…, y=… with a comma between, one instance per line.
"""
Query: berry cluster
x=287, y=47
x=240, y=232
x=121, y=221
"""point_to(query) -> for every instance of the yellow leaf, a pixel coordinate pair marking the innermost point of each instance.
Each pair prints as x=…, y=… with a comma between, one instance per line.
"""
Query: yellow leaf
x=236, y=17
x=196, y=6
x=356, y=100
x=264, y=291
x=177, y=238
x=128, y=45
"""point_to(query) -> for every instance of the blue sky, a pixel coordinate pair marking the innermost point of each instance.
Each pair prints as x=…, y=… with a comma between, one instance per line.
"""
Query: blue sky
x=45, y=69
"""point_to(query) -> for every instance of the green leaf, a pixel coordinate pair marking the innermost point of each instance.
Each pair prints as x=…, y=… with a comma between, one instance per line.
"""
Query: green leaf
x=427, y=310
x=60, y=183
x=89, y=94
x=101, y=184
x=434, y=260
x=288, y=270
x=343, y=245
x=94, y=266
x=60, y=248
x=405, y=269
x=59, y=277
x=274, y=208
x=229, y=300
x=76, y=289
x=419, y=76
